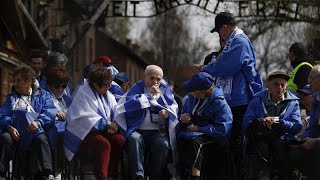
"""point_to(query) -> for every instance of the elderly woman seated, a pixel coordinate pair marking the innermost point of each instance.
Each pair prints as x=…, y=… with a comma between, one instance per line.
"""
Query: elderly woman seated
x=90, y=125
x=26, y=113
x=57, y=80
x=206, y=119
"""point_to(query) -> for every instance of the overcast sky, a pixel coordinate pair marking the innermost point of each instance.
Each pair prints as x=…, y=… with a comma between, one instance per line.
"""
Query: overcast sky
x=199, y=21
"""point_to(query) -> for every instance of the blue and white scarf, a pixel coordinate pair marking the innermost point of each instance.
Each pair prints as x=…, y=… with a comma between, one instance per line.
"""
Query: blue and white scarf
x=226, y=82
x=116, y=90
x=84, y=112
x=136, y=99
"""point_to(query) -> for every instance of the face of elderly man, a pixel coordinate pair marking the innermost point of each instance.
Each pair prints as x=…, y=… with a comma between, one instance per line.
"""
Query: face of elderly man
x=277, y=88
x=153, y=76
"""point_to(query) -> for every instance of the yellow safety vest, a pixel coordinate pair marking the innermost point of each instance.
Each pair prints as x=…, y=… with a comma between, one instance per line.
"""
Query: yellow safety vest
x=291, y=85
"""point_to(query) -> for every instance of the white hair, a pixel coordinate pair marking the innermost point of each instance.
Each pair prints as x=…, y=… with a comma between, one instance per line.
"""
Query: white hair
x=153, y=68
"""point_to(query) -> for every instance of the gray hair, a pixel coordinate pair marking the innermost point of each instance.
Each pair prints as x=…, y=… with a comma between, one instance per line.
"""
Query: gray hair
x=55, y=59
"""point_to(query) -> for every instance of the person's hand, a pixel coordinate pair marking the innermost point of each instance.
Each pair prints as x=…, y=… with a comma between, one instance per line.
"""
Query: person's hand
x=113, y=128
x=163, y=114
x=268, y=121
x=197, y=68
x=61, y=115
x=193, y=128
x=153, y=90
x=185, y=118
x=309, y=144
x=14, y=133
x=33, y=126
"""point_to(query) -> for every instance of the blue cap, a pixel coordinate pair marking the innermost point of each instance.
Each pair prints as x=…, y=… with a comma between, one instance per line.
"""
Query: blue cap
x=122, y=76
x=199, y=81
x=306, y=90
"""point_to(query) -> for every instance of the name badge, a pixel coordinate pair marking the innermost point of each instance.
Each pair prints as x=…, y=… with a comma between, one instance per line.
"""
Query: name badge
x=155, y=118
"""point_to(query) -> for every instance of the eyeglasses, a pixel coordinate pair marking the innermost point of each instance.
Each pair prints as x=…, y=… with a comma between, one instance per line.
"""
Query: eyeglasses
x=57, y=86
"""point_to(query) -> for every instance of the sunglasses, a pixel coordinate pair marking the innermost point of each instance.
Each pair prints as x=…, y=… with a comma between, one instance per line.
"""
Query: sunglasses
x=57, y=86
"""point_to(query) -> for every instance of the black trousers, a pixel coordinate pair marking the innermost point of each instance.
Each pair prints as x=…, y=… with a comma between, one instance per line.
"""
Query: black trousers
x=191, y=151
x=264, y=156
x=38, y=159
x=7, y=152
x=40, y=156
x=238, y=113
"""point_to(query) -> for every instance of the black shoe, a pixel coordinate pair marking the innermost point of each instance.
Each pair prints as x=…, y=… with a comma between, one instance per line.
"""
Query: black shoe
x=139, y=178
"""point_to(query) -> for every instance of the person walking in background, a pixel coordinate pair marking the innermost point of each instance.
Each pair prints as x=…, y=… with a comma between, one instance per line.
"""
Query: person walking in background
x=301, y=64
x=235, y=73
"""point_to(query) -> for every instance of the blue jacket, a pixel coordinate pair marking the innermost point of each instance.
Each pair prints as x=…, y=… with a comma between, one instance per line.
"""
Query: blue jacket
x=218, y=110
x=290, y=120
x=41, y=102
x=237, y=60
x=313, y=129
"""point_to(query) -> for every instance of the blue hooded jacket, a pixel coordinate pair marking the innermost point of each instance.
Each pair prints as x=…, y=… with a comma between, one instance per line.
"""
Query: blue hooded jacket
x=290, y=120
x=237, y=60
x=41, y=102
x=218, y=110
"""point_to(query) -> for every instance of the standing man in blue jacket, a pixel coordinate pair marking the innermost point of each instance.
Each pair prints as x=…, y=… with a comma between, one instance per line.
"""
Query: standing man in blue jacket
x=271, y=120
x=234, y=70
x=206, y=119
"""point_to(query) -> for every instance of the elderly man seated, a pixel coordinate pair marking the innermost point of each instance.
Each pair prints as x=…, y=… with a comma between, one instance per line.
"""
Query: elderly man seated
x=272, y=119
x=148, y=114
